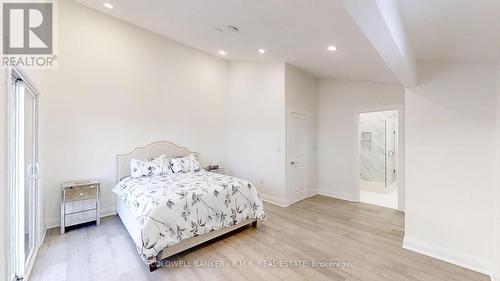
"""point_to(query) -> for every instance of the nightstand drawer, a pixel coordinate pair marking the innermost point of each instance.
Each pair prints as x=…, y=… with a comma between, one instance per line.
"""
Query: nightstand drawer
x=79, y=206
x=81, y=217
x=80, y=193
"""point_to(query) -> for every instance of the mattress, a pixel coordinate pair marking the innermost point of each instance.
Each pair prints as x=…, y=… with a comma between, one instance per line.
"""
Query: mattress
x=161, y=211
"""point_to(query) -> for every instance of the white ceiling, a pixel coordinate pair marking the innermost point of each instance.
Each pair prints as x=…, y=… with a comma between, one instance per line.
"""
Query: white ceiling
x=295, y=31
x=452, y=29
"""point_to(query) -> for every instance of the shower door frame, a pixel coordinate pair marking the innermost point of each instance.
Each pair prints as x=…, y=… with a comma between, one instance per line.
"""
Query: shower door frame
x=400, y=148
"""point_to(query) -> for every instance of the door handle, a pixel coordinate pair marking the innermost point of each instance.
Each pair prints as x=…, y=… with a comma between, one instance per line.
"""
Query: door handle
x=37, y=170
x=293, y=163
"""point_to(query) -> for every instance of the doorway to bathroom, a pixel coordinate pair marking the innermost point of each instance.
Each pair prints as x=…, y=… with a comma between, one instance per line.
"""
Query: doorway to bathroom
x=378, y=134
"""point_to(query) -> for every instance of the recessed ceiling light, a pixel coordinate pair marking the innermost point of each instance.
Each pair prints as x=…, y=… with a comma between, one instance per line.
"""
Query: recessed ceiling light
x=222, y=52
x=109, y=6
x=262, y=51
x=332, y=48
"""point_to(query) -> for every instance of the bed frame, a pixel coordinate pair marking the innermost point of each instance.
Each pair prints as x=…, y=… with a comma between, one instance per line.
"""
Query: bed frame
x=123, y=170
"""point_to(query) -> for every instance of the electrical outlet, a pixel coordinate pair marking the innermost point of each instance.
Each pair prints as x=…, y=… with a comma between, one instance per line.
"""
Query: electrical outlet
x=261, y=181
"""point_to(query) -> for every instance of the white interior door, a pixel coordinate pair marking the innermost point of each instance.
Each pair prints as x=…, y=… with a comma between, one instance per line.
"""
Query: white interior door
x=297, y=155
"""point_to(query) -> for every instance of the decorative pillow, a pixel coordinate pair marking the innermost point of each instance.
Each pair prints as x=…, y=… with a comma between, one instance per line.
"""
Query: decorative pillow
x=163, y=162
x=185, y=164
x=195, y=164
x=140, y=168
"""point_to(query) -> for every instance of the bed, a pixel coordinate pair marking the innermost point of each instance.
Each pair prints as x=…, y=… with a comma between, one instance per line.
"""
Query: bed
x=167, y=214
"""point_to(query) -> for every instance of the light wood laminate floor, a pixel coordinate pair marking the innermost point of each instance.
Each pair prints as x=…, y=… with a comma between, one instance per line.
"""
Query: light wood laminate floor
x=317, y=229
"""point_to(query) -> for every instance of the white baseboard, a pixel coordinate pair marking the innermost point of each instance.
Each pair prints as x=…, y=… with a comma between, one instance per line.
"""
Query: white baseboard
x=52, y=222
x=43, y=232
x=304, y=197
x=284, y=202
x=338, y=195
x=450, y=256
x=56, y=221
x=274, y=200
x=109, y=211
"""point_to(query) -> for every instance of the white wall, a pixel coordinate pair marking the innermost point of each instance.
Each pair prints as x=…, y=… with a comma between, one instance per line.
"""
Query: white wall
x=338, y=103
x=256, y=126
x=261, y=94
x=118, y=87
x=301, y=96
x=450, y=131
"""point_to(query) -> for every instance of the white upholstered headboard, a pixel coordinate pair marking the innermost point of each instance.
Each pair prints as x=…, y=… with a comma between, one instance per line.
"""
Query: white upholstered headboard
x=149, y=151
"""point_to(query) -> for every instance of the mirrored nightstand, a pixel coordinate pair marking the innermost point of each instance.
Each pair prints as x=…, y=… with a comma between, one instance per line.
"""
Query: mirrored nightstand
x=79, y=203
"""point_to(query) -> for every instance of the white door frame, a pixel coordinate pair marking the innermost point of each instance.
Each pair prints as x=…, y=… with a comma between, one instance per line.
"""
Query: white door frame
x=292, y=197
x=13, y=164
x=401, y=156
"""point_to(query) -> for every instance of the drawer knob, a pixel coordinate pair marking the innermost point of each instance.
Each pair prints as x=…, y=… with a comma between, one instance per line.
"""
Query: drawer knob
x=81, y=194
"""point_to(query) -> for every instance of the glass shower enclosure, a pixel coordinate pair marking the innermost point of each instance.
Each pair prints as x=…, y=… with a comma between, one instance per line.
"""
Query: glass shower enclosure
x=378, y=133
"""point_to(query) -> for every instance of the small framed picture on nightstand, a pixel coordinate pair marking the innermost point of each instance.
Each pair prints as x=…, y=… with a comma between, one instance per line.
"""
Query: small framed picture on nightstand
x=215, y=169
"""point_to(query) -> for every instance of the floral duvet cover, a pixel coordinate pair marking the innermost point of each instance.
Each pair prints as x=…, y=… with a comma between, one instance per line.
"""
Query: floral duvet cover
x=174, y=207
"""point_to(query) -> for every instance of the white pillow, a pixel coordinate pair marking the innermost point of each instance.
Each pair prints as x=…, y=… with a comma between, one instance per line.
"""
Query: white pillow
x=195, y=164
x=163, y=162
x=140, y=168
x=146, y=168
x=185, y=164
